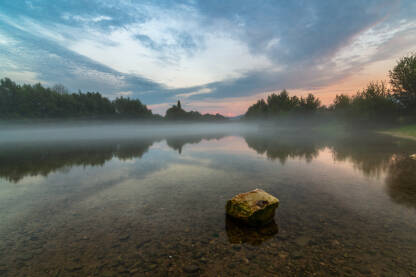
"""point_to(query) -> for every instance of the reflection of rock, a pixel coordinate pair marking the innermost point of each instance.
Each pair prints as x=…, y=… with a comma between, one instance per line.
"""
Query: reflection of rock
x=401, y=181
x=241, y=233
x=255, y=207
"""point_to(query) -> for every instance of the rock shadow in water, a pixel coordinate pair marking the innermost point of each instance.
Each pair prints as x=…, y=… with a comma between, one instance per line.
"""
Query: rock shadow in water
x=239, y=233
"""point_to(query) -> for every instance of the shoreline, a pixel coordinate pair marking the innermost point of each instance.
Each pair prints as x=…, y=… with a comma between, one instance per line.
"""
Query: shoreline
x=405, y=132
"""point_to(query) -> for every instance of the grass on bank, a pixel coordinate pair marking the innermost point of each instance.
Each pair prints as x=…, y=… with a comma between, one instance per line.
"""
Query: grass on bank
x=407, y=131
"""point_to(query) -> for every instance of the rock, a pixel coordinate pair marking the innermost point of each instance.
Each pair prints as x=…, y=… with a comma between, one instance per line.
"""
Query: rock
x=237, y=247
x=335, y=243
x=73, y=267
x=3, y=270
x=255, y=207
x=25, y=257
x=283, y=255
x=191, y=268
x=302, y=241
x=297, y=255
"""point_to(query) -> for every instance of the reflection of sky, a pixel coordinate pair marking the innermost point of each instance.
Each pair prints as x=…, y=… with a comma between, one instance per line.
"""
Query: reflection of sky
x=216, y=167
x=216, y=57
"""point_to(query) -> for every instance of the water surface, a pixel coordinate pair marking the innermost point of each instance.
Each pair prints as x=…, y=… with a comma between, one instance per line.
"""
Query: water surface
x=154, y=205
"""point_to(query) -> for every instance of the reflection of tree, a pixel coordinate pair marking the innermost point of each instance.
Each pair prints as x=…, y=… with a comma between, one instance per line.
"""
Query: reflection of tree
x=282, y=147
x=401, y=180
x=371, y=154
x=177, y=142
x=239, y=233
x=23, y=160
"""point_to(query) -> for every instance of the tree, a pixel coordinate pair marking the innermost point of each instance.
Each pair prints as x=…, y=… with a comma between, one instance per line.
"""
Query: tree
x=374, y=103
x=177, y=113
x=257, y=110
x=341, y=102
x=283, y=105
x=310, y=103
x=36, y=101
x=59, y=88
x=126, y=107
x=403, y=82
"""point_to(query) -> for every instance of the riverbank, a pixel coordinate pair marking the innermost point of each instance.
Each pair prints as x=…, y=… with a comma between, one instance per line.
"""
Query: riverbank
x=407, y=132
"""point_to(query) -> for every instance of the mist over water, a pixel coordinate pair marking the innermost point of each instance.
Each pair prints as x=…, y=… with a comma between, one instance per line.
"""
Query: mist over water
x=142, y=200
x=117, y=130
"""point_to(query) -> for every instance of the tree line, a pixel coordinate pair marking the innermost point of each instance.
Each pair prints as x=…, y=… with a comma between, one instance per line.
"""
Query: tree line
x=378, y=102
x=177, y=113
x=39, y=102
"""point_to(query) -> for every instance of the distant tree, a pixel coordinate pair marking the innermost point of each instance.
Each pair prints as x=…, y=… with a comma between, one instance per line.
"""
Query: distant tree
x=375, y=103
x=59, y=88
x=258, y=110
x=341, y=102
x=283, y=105
x=127, y=107
x=177, y=113
x=309, y=104
x=403, y=81
x=36, y=101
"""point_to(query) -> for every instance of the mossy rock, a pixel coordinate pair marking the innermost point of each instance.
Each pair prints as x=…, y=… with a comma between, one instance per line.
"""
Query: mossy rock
x=255, y=207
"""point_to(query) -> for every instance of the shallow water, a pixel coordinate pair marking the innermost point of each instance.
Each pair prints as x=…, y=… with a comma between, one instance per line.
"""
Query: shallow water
x=149, y=206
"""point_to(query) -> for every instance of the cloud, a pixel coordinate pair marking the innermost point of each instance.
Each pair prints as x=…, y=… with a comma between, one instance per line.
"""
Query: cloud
x=124, y=93
x=23, y=76
x=86, y=19
x=172, y=49
x=211, y=52
x=197, y=92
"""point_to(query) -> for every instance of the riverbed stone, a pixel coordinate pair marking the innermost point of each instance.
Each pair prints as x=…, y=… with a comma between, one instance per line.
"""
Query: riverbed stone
x=192, y=268
x=255, y=208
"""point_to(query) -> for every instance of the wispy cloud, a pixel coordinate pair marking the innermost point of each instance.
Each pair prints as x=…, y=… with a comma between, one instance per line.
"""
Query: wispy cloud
x=197, y=92
x=124, y=93
x=212, y=54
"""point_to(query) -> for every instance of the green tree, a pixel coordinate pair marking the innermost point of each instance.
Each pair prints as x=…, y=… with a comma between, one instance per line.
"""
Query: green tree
x=36, y=101
x=258, y=110
x=375, y=103
x=309, y=104
x=177, y=113
x=127, y=107
x=403, y=82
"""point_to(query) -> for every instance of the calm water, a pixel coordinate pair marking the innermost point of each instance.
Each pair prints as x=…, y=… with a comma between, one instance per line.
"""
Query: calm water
x=154, y=206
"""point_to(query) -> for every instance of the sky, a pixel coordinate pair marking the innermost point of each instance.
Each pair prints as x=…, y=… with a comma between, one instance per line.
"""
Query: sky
x=215, y=56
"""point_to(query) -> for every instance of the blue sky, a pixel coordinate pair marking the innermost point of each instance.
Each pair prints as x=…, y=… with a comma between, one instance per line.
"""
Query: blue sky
x=216, y=56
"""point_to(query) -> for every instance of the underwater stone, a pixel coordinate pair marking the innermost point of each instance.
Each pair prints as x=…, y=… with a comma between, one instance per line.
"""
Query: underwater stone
x=255, y=207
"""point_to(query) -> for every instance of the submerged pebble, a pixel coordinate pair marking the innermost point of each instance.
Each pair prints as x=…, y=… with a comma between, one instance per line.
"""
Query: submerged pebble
x=192, y=268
